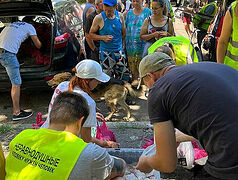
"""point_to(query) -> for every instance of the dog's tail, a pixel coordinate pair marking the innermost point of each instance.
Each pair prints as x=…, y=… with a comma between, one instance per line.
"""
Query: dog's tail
x=134, y=92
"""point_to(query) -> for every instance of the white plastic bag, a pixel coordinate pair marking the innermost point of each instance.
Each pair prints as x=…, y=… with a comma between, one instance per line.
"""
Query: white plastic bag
x=185, y=155
x=134, y=174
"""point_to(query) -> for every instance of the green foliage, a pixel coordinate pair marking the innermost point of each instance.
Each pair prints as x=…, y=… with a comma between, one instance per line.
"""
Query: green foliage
x=5, y=129
x=81, y=1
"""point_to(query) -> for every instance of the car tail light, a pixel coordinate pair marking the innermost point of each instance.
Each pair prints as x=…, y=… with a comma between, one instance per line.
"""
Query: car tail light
x=61, y=41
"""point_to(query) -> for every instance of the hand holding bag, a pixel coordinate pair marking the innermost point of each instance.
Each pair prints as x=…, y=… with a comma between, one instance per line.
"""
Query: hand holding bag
x=103, y=133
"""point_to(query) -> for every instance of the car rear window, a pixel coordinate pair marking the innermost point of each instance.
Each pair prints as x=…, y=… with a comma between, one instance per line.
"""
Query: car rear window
x=38, y=1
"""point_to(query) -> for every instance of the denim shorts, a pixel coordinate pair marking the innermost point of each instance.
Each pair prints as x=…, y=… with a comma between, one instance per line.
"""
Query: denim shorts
x=11, y=64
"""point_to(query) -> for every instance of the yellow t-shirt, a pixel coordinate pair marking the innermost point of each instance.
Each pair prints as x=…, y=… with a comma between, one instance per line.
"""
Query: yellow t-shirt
x=2, y=164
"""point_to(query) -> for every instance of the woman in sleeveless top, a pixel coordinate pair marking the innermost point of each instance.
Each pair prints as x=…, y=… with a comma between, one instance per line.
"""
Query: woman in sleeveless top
x=134, y=46
x=156, y=26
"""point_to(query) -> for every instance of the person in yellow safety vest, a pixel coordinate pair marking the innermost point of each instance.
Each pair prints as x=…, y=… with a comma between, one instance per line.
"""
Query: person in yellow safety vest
x=58, y=153
x=2, y=164
x=227, y=49
x=168, y=49
x=183, y=49
x=201, y=23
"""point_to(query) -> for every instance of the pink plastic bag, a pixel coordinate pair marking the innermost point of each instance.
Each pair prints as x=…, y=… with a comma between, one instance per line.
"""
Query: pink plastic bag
x=39, y=121
x=149, y=142
x=103, y=133
x=198, y=153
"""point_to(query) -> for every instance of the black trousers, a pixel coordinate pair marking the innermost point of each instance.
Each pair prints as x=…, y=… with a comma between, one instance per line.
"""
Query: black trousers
x=88, y=50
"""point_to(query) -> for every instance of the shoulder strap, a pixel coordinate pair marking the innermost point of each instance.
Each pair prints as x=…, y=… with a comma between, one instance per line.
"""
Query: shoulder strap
x=149, y=21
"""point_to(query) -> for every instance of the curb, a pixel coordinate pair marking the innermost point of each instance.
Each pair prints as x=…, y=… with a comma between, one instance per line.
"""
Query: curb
x=133, y=125
x=130, y=155
x=110, y=125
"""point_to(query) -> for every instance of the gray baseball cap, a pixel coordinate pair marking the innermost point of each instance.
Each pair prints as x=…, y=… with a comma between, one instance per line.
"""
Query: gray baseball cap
x=153, y=62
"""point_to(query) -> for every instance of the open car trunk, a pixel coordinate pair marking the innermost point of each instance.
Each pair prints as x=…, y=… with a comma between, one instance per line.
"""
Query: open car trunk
x=59, y=30
x=28, y=55
x=30, y=58
x=25, y=6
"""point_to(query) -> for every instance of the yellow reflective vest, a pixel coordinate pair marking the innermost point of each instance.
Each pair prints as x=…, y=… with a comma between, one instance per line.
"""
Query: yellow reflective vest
x=184, y=51
x=231, y=58
x=202, y=23
x=2, y=164
x=43, y=154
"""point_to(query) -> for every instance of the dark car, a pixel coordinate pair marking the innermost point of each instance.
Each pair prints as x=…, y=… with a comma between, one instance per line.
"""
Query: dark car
x=58, y=24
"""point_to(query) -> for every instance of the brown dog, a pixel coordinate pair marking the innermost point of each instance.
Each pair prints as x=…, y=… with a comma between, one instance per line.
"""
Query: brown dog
x=113, y=93
x=58, y=78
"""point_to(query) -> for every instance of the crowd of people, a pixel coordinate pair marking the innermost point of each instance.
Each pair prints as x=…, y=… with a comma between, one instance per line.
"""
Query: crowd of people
x=125, y=37
x=199, y=99
x=119, y=40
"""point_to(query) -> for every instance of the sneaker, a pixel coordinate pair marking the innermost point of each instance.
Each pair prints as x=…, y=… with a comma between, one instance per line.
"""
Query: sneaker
x=22, y=115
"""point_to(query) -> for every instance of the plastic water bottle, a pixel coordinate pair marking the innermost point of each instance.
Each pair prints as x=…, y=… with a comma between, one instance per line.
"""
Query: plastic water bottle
x=38, y=118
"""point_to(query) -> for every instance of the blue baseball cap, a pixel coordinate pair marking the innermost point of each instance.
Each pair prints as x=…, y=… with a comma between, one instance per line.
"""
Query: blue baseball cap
x=110, y=2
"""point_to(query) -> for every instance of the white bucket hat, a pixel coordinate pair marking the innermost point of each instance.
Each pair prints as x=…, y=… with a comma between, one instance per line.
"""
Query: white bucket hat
x=90, y=69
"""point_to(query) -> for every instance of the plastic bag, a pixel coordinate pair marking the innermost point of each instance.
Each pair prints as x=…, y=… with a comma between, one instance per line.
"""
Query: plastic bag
x=185, y=155
x=132, y=173
x=103, y=133
x=39, y=121
x=149, y=142
x=198, y=153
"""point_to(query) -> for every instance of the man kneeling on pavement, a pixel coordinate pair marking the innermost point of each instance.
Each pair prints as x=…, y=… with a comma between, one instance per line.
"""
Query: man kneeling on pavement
x=58, y=152
x=200, y=100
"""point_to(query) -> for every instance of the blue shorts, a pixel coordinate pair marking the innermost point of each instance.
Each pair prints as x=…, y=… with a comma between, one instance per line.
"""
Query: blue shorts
x=11, y=64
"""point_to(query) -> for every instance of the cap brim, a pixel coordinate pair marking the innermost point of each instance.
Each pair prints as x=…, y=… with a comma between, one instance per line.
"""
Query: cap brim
x=108, y=3
x=103, y=77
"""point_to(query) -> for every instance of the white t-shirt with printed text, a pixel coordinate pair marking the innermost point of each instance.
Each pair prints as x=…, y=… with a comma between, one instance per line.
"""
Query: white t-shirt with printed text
x=14, y=34
x=91, y=121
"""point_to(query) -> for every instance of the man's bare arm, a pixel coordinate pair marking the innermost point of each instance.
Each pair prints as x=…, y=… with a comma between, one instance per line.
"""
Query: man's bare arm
x=181, y=137
x=95, y=27
x=90, y=42
x=90, y=10
x=36, y=41
x=165, y=159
